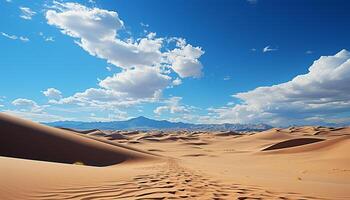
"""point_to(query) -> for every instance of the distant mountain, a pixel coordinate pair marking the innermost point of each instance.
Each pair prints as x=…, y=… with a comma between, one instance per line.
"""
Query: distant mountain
x=143, y=123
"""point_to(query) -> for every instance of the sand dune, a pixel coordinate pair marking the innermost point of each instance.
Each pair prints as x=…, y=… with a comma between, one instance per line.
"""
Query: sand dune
x=332, y=145
x=228, y=133
x=116, y=136
x=292, y=143
x=273, y=134
x=25, y=139
x=292, y=163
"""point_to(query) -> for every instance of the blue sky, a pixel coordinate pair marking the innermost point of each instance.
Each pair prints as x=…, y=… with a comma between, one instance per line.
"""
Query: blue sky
x=194, y=61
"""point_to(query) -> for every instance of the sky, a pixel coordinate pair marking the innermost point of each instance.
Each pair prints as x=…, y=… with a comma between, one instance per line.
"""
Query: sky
x=244, y=61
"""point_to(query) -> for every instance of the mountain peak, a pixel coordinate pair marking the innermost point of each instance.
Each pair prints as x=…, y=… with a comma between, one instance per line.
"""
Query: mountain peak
x=144, y=123
x=140, y=117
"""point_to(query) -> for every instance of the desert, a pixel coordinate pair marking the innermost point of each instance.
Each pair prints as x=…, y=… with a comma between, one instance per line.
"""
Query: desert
x=175, y=99
x=291, y=163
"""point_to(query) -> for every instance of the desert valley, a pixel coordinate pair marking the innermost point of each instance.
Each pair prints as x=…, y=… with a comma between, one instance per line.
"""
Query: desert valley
x=41, y=162
x=175, y=99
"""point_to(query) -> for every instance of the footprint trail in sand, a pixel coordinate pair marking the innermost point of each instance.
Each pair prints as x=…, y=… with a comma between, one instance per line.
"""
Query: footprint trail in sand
x=167, y=181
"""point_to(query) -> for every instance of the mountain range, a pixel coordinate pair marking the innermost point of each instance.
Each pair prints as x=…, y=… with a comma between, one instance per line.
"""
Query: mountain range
x=143, y=123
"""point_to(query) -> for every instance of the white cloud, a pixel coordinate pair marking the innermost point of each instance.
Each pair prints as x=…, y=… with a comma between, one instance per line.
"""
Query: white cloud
x=145, y=62
x=177, y=81
x=12, y=37
x=29, y=109
x=97, y=30
x=26, y=13
x=148, y=83
x=90, y=96
x=34, y=116
x=160, y=109
x=322, y=93
x=27, y=105
x=24, y=39
x=144, y=24
x=47, y=38
x=184, y=60
x=15, y=37
x=52, y=93
x=99, y=99
x=24, y=102
x=268, y=49
x=109, y=68
x=173, y=106
x=116, y=115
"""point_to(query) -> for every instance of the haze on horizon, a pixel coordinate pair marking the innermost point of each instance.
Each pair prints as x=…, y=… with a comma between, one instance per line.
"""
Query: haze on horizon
x=245, y=61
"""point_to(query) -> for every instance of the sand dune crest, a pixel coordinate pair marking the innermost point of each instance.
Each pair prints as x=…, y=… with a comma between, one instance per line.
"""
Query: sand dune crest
x=29, y=140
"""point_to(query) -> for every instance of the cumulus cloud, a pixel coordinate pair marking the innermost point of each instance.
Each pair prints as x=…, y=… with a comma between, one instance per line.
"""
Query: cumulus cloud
x=321, y=94
x=27, y=105
x=90, y=96
x=26, y=13
x=145, y=62
x=52, y=93
x=24, y=102
x=177, y=81
x=148, y=83
x=100, y=99
x=173, y=106
x=122, y=90
x=97, y=30
x=184, y=60
x=29, y=109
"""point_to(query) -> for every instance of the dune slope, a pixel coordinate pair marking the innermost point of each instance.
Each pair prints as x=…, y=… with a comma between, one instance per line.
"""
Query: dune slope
x=24, y=139
x=293, y=143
